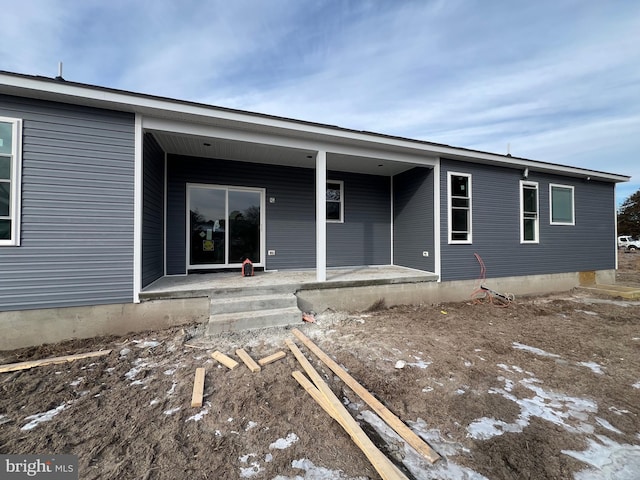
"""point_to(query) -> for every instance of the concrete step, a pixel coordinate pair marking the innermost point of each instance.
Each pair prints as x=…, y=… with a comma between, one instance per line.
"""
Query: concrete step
x=247, y=320
x=253, y=303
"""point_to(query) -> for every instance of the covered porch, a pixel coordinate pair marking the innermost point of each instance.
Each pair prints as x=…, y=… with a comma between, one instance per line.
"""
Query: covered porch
x=289, y=281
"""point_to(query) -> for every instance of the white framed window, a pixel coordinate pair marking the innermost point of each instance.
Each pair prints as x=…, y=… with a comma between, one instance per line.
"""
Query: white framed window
x=561, y=204
x=335, y=201
x=529, y=212
x=10, y=171
x=459, y=206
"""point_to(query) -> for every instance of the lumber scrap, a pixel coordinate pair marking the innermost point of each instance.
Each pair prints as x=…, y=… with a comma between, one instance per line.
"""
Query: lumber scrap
x=228, y=362
x=271, y=358
x=384, y=466
x=248, y=361
x=12, y=367
x=198, y=388
x=383, y=412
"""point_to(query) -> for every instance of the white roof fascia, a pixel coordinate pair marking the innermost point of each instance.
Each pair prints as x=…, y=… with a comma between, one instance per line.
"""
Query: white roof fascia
x=150, y=105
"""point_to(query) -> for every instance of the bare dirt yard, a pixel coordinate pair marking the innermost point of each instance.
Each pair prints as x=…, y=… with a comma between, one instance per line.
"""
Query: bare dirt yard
x=547, y=388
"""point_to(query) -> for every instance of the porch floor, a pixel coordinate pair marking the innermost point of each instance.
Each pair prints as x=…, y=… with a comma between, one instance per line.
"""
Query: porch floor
x=205, y=284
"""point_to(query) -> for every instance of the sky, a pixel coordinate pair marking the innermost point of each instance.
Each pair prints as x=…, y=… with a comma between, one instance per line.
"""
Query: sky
x=550, y=80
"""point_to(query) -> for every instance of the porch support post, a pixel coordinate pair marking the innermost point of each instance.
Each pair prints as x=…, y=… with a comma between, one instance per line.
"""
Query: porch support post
x=321, y=216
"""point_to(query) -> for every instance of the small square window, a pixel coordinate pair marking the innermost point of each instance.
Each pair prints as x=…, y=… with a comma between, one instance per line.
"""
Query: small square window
x=561, y=204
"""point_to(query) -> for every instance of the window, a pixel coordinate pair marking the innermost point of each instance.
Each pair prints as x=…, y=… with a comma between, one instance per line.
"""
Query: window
x=335, y=201
x=561, y=204
x=459, y=200
x=10, y=137
x=529, y=217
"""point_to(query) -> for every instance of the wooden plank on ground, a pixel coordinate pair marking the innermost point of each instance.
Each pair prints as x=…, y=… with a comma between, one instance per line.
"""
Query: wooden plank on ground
x=384, y=466
x=230, y=363
x=248, y=361
x=271, y=358
x=392, y=420
x=11, y=367
x=198, y=388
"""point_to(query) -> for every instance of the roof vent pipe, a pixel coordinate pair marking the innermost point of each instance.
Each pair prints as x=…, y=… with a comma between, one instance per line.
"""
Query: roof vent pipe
x=59, y=77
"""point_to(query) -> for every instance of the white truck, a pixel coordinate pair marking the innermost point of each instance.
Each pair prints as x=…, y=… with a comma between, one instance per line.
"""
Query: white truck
x=629, y=243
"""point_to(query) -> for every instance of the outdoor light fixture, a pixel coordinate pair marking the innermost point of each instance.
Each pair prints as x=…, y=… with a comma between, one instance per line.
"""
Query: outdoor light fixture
x=525, y=174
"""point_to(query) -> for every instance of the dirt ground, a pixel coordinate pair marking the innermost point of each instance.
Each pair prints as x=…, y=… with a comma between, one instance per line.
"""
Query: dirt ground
x=547, y=388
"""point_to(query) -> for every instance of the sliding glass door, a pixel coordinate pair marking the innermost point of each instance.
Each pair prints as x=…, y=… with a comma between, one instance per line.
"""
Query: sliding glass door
x=224, y=226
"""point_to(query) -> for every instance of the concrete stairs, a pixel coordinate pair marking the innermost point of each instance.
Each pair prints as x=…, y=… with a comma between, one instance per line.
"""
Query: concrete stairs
x=234, y=312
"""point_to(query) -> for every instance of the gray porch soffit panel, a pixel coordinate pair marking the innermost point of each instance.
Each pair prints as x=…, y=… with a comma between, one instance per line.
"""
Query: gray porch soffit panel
x=242, y=151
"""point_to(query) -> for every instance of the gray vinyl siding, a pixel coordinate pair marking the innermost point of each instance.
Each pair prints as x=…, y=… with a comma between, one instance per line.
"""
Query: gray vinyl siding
x=413, y=219
x=152, y=211
x=364, y=238
x=77, y=208
x=588, y=245
x=290, y=220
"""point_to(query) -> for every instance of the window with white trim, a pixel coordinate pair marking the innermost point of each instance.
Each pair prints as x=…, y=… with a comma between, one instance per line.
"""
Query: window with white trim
x=459, y=205
x=10, y=168
x=335, y=201
x=561, y=204
x=529, y=216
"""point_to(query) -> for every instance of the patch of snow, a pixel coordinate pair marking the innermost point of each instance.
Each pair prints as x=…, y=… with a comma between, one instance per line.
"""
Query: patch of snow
x=283, y=443
x=154, y=402
x=636, y=385
x=556, y=408
x=124, y=352
x=110, y=369
x=250, y=425
x=146, y=344
x=420, y=467
x=4, y=419
x=171, y=411
x=618, y=411
x=42, y=417
x=400, y=364
x=534, y=350
x=419, y=364
x=595, y=368
x=467, y=363
x=170, y=371
x=477, y=349
x=76, y=382
x=313, y=472
x=230, y=419
x=198, y=416
x=427, y=389
x=608, y=460
x=268, y=458
x=607, y=425
x=172, y=389
x=253, y=469
x=587, y=312
x=460, y=391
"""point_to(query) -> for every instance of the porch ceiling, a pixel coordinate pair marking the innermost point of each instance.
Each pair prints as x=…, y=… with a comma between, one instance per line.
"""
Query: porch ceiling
x=219, y=148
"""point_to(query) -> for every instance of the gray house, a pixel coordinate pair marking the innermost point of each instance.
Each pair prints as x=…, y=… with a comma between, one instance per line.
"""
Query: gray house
x=105, y=193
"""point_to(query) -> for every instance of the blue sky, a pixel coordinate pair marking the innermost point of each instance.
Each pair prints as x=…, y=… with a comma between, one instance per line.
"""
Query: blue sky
x=557, y=80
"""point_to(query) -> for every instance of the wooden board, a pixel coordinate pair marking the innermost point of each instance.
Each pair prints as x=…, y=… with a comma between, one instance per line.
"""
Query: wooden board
x=11, y=367
x=198, y=388
x=392, y=420
x=271, y=358
x=384, y=466
x=230, y=363
x=248, y=361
